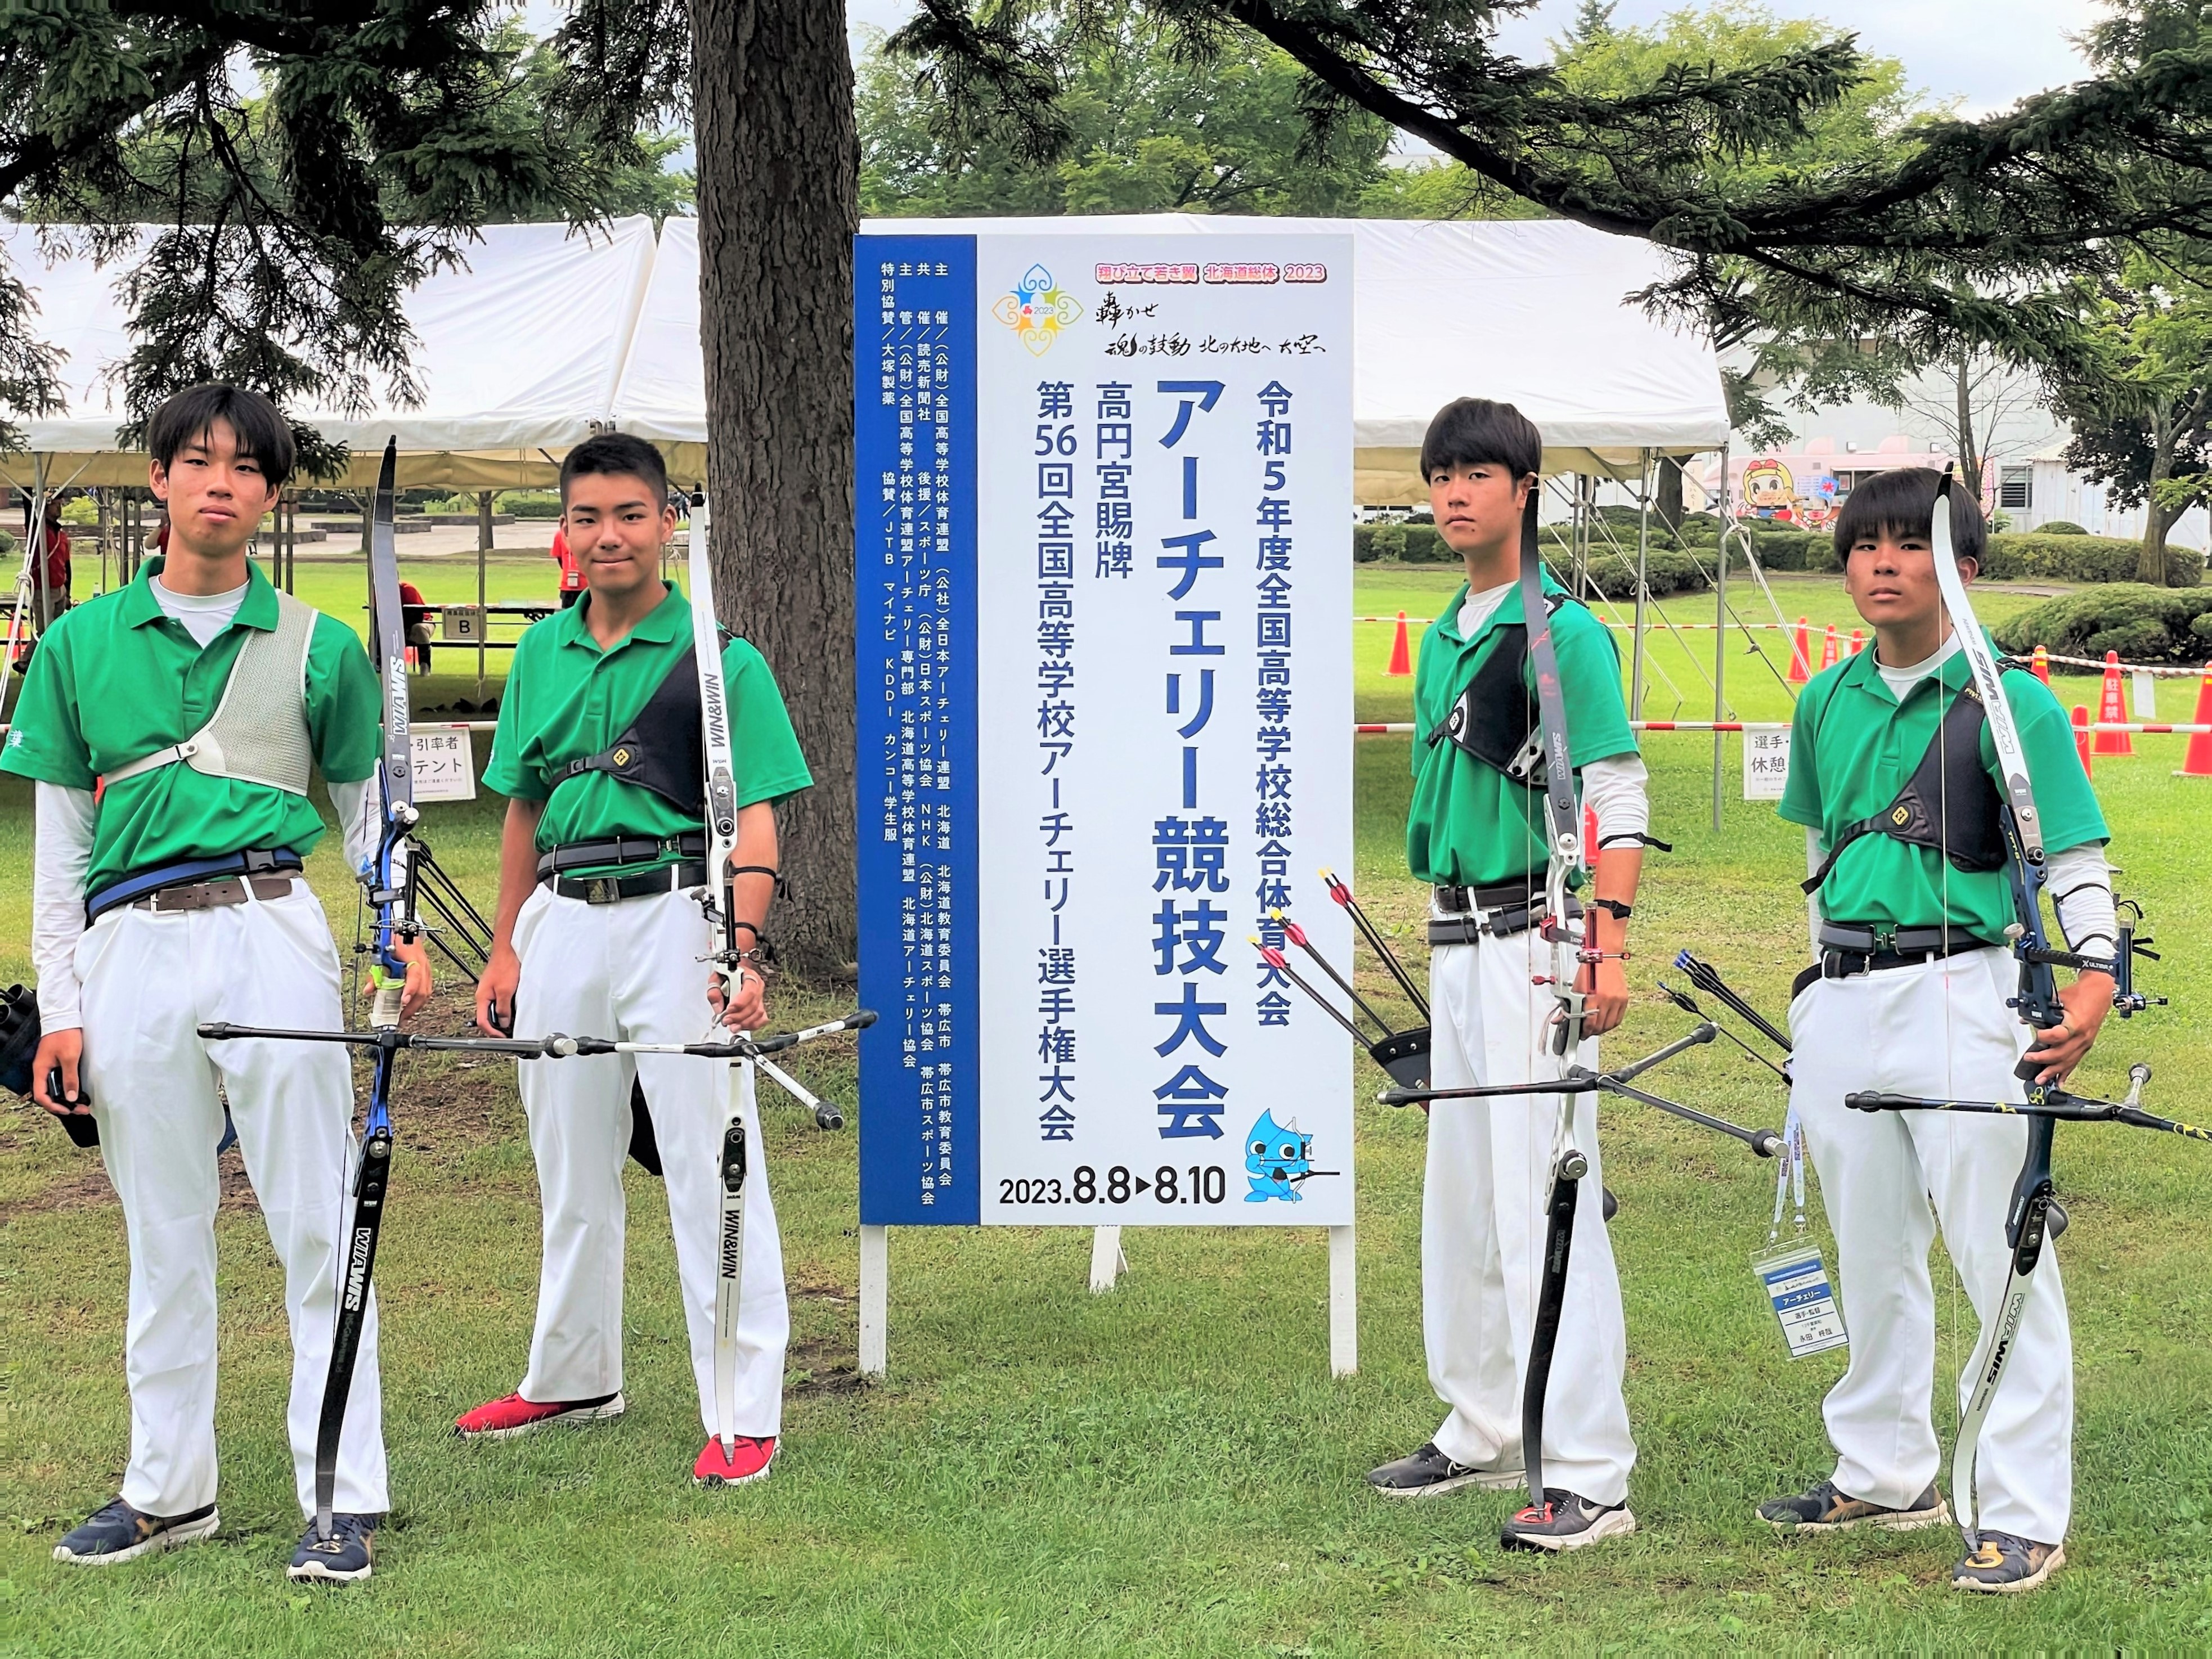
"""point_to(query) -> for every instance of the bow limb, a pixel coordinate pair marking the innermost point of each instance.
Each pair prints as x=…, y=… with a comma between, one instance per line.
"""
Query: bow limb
x=1563, y=849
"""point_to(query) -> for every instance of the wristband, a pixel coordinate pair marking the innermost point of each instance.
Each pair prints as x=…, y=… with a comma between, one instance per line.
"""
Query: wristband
x=1618, y=911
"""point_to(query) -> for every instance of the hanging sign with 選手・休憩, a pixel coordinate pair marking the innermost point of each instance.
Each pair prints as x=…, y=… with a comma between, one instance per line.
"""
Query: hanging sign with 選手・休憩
x=1103, y=682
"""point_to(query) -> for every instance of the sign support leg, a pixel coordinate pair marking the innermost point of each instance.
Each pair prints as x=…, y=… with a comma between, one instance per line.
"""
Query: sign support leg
x=875, y=1300
x=1108, y=1264
x=1343, y=1304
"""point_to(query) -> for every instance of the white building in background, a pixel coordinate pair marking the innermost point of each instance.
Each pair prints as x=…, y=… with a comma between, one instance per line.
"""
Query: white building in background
x=1833, y=448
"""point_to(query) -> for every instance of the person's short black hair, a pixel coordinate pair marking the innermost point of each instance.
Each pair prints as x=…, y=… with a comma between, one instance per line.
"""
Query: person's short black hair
x=1902, y=503
x=614, y=454
x=256, y=424
x=1474, y=431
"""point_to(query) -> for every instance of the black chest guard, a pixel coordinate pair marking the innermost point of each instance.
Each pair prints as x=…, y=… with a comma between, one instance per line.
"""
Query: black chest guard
x=1949, y=805
x=663, y=748
x=1494, y=718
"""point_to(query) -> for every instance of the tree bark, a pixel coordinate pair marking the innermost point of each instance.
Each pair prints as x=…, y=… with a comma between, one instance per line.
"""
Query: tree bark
x=1666, y=494
x=2150, y=565
x=1969, y=455
x=778, y=161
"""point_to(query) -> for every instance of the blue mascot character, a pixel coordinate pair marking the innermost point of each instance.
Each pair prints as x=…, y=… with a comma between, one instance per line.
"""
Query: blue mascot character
x=1278, y=1159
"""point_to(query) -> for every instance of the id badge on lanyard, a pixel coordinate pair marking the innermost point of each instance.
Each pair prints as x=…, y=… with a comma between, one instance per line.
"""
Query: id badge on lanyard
x=1792, y=1276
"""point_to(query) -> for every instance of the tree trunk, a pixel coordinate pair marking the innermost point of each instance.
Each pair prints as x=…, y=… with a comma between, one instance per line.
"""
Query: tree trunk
x=772, y=95
x=1969, y=455
x=1666, y=496
x=2150, y=565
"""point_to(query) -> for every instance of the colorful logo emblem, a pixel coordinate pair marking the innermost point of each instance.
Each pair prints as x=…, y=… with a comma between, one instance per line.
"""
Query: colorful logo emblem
x=1037, y=310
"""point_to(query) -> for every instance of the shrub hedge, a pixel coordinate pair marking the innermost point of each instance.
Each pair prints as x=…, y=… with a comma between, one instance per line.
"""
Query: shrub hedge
x=2141, y=622
x=2035, y=554
x=2059, y=527
x=2038, y=556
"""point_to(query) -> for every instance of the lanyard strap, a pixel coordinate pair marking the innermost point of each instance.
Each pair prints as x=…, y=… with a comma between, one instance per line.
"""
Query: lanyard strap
x=1789, y=1172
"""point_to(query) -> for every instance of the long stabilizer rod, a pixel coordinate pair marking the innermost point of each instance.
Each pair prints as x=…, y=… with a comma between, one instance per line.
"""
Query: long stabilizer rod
x=1581, y=1081
x=555, y=1047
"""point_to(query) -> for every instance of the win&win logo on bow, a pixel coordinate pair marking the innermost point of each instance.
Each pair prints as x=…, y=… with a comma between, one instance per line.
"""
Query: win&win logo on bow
x=1037, y=309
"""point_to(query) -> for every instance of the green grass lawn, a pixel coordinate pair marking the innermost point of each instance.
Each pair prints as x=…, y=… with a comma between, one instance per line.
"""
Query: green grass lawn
x=1167, y=1468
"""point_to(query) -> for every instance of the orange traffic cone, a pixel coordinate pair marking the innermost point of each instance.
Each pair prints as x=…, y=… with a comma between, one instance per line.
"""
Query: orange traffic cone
x=1858, y=641
x=1800, y=653
x=2112, y=709
x=2197, y=763
x=1401, y=656
x=2040, y=665
x=2081, y=740
x=1828, y=649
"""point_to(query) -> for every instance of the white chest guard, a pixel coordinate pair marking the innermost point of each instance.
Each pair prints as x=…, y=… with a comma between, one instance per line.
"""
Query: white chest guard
x=259, y=732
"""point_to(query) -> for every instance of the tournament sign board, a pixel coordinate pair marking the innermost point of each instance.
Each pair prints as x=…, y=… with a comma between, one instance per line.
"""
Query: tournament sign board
x=1103, y=677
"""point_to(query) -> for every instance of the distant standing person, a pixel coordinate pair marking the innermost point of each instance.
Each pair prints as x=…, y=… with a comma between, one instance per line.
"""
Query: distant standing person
x=572, y=576
x=415, y=616
x=53, y=587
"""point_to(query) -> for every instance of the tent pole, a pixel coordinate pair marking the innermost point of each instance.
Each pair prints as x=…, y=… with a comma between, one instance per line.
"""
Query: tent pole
x=1580, y=532
x=483, y=550
x=1720, y=634
x=1643, y=585
x=35, y=534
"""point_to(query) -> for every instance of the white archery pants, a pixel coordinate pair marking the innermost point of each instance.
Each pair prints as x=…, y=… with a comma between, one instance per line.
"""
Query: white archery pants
x=1483, y=1226
x=149, y=980
x=633, y=970
x=1937, y=1029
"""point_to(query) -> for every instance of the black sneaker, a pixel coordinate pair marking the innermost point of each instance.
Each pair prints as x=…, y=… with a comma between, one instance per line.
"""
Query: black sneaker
x=119, y=1532
x=2001, y=1564
x=1825, y=1510
x=1429, y=1474
x=1565, y=1521
x=343, y=1558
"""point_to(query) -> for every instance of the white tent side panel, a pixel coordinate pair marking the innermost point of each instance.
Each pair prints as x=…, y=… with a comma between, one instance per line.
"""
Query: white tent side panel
x=1534, y=314
x=518, y=350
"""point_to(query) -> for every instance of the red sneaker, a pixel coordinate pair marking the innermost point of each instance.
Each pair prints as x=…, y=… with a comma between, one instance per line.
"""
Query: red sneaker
x=750, y=1463
x=502, y=1419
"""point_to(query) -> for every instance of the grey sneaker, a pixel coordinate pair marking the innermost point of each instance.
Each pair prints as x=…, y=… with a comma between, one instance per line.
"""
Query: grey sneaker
x=1565, y=1521
x=344, y=1558
x=1429, y=1474
x=2001, y=1564
x=118, y=1533
x=1825, y=1510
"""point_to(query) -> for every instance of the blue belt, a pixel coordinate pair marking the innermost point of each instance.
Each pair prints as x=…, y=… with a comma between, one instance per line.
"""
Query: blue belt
x=258, y=861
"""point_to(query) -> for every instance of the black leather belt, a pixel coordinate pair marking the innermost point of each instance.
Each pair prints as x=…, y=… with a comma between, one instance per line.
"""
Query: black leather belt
x=211, y=874
x=620, y=850
x=1499, y=912
x=609, y=889
x=1848, y=948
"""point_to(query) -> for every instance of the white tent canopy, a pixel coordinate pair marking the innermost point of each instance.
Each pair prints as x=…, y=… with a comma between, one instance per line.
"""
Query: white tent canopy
x=518, y=353
x=546, y=335
x=1536, y=313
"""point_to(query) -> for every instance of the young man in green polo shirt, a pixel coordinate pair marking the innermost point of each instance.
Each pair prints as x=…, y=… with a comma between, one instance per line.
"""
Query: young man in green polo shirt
x=1476, y=835
x=600, y=928
x=1908, y=996
x=201, y=697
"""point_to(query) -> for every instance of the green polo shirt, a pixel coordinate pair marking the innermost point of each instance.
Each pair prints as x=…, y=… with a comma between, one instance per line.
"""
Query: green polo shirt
x=115, y=679
x=1470, y=825
x=566, y=699
x=1853, y=745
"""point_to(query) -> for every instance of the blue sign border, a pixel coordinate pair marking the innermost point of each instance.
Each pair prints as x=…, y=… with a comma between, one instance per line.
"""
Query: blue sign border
x=933, y=277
